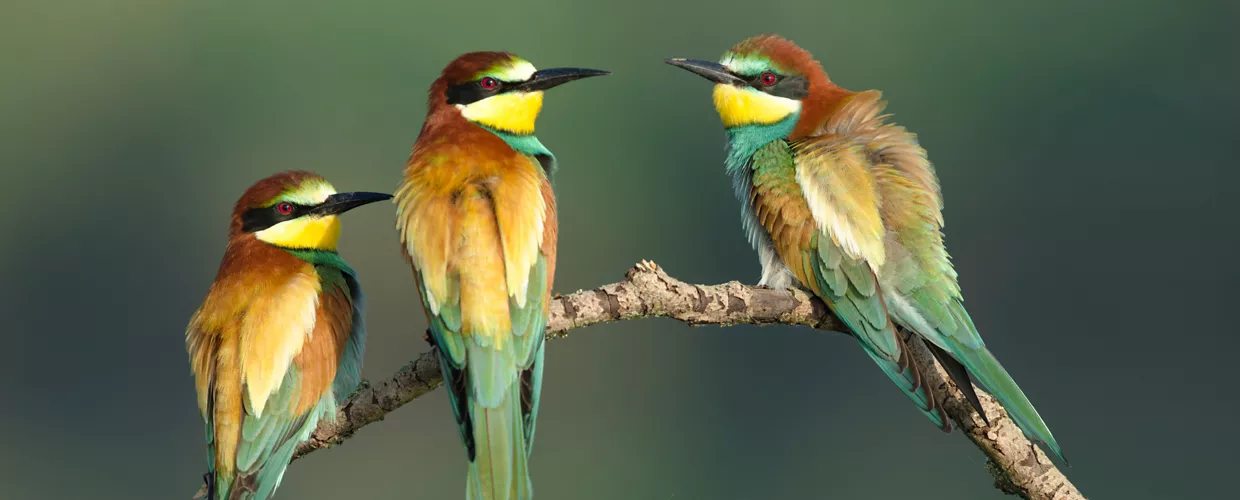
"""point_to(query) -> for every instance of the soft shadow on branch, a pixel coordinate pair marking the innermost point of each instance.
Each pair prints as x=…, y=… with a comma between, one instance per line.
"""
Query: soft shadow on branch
x=1018, y=467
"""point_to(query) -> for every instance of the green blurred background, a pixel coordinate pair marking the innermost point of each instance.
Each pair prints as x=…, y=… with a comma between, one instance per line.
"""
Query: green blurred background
x=1085, y=152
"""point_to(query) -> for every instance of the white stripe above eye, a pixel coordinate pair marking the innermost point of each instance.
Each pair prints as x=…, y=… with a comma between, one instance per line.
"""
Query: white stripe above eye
x=745, y=65
x=311, y=193
x=518, y=71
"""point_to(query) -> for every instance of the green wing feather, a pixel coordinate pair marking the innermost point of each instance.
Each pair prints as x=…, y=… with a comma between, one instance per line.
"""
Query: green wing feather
x=268, y=441
x=445, y=328
x=529, y=326
x=926, y=297
x=494, y=393
x=850, y=290
x=846, y=284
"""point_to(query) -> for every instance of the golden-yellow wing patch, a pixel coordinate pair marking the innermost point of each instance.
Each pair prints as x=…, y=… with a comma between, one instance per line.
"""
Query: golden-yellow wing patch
x=256, y=318
x=426, y=216
x=894, y=146
x=273, y=331
x=472, y=221
x=835, y=178
x=911, y=202
x=521, y=211
x=478, y=261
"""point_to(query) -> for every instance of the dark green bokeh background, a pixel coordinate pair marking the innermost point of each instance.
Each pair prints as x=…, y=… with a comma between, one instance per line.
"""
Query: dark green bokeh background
x=1085, y=151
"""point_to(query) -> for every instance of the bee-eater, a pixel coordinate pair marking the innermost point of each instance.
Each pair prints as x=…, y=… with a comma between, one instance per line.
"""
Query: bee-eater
x=841, y=201
x=477, y=221
x=278, y=342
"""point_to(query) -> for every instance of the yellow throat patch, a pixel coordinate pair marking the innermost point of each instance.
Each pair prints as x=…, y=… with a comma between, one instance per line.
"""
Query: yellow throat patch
x=512, y=112
x=317, y=233
x=739, y=106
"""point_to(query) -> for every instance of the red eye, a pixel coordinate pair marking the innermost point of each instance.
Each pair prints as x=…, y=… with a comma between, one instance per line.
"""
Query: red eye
x=284, y=207
x=768, y=78
x=488, y=83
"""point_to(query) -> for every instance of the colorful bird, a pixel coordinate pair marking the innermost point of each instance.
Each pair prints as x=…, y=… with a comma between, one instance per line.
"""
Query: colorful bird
x=477, y=221
x=840, y=201
x=278, y=342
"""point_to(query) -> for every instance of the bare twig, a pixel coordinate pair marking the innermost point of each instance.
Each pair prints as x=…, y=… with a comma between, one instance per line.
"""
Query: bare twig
x=1019, y=467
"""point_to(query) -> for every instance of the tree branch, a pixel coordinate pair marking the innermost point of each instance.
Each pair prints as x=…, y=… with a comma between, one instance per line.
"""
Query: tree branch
x=1018, y=467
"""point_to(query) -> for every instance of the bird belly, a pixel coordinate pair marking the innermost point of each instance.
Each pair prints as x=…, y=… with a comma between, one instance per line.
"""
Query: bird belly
x=775, y=273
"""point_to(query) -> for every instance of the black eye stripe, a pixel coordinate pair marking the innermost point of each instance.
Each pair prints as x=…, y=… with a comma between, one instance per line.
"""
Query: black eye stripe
x=471, y=92
x=787, y=86
x=258, y=219
x=756, y=81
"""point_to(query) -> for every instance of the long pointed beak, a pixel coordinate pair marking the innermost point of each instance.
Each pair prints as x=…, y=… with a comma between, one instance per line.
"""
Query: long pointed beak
x=712, y=71
x=343, y=202
x=544, y=79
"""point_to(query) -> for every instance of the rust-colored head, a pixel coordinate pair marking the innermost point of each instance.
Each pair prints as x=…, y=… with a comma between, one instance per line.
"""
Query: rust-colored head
x=497, y=90
x=767, y=80
x=468, y=68
x=776, y=53
x=295, y=209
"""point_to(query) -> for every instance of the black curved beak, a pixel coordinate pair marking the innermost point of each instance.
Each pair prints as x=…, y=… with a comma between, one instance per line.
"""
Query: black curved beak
x=544, y=79
x=343, y=202
x=712, y=71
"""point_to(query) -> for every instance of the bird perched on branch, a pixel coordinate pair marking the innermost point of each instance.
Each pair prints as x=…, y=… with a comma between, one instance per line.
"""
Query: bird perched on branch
x=278, y=342
x=477, y=221
x=841, y=201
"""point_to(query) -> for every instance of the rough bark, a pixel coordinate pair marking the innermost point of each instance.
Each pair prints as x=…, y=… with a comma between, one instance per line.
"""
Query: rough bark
x=1018, y=466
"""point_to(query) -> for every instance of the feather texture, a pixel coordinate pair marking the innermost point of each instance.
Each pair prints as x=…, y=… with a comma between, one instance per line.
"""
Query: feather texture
x=852, y=206
x=477, y=220
x=833, y=177
x=924, y=295
x=811, y=249
x=276, y=340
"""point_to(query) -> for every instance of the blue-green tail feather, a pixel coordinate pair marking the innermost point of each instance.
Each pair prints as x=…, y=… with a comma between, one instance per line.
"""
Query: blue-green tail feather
x=957, y=335
x=494, y=386
x=500, y=467
x=990, y=373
